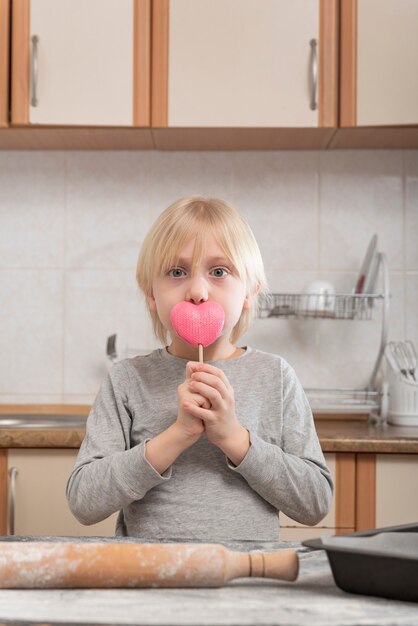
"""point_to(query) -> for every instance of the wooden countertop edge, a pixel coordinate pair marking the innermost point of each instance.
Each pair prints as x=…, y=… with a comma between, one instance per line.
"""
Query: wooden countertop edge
x=45, y=409
x=337, y=435
x=377, y=446
x=21, y=438
x=40, y=438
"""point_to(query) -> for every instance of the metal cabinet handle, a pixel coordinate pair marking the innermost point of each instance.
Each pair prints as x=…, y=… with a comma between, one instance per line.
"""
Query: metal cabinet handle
x=11, y=505
x=314, y=74
x=34, y=71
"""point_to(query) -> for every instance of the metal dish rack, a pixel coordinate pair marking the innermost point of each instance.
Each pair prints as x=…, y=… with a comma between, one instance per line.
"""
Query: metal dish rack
x=339, y=307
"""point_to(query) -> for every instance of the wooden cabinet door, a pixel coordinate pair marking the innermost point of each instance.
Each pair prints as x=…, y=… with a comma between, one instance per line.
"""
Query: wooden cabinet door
x=40, y=505
x=81, y=62
x=4, y=62
x=396, y=489
x=379, y=72
x=242, y=63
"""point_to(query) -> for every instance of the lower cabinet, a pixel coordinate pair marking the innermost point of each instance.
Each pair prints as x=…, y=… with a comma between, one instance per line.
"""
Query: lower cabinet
x=371, y=491
x=396, y=489
x=38, y=502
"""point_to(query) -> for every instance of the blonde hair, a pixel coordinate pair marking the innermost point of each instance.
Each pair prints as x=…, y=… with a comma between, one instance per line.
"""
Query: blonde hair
x=193, y=217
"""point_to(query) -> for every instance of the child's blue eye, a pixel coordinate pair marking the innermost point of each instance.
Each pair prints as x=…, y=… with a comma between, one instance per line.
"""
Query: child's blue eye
x=176, y=272
x=219, y=272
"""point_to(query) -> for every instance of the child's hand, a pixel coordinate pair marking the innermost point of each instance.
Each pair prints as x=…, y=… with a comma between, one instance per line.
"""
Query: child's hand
x=221, y=423
x=191, y=426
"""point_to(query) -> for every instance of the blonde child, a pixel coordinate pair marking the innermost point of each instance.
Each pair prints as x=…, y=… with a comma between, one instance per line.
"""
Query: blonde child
x=202, y=452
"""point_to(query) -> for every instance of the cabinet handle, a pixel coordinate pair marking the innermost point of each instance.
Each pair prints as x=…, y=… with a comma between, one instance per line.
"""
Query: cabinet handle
x=34, y=71
x=11, y=505
x=314, y=74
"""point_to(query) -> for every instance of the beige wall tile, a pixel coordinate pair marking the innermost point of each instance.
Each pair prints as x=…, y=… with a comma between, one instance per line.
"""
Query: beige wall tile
x=32, y=202
x=34, y=398
x=174, y=175
x=99, y=303
x=411, y=331
x=107, y=209
x=411, y=209
x=31, y=331
x=277, y=192
x=361, y=194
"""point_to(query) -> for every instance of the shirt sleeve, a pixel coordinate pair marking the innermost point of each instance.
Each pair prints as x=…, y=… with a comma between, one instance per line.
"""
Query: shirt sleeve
x=293, y=476
x=108, y=474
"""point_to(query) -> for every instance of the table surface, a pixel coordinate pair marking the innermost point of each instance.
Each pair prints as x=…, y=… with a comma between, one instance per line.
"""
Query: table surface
x=313, y=599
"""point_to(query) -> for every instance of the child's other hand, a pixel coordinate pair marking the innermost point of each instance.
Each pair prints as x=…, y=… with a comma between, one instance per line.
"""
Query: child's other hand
x=221, y=423
x=192, y=426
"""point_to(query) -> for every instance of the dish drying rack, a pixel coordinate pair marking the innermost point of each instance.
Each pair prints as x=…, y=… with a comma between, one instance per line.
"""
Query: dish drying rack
x=296, y=305
x=344, y=307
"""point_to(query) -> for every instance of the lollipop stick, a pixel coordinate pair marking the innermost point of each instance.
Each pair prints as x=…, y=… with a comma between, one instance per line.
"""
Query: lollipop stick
x=200, y=353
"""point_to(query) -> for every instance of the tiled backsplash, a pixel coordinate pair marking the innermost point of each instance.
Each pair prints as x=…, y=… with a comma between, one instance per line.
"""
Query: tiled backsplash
x=71, y=225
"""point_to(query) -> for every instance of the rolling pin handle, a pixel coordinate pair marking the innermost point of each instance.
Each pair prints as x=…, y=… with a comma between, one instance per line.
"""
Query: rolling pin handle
x=282, y=565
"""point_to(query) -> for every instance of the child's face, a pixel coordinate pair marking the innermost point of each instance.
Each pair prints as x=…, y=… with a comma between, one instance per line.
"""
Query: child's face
x=214, y=278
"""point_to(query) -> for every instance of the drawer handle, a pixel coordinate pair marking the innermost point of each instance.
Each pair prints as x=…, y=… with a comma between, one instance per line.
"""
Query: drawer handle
x=12, y=499
x=34, y=71
x=314, y=74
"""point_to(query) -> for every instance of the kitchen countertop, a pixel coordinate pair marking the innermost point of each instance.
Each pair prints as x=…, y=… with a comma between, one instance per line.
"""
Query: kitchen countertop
x=353, y=436
x=335, y=435
x=314, y=598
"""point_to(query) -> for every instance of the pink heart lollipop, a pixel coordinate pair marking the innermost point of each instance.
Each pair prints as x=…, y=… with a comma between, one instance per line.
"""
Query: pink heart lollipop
x=198, y=324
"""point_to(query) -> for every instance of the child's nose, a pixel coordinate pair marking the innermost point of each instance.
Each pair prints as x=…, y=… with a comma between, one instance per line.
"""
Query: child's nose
x=197, y=291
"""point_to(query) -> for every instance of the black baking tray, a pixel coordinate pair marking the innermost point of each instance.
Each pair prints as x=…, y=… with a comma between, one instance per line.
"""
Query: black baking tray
x=377, y=567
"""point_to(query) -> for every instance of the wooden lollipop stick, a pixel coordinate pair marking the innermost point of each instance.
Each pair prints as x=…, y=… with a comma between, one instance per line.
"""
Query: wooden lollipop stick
x=200, y=353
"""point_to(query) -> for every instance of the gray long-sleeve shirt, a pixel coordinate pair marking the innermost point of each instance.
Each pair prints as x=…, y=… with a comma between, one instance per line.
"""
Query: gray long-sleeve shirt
x=202, y=496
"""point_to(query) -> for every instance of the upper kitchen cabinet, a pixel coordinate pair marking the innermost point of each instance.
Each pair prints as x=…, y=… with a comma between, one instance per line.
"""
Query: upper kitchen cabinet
x=379, y=63
x=245, y=64
x=4, y=62
x=81, y=62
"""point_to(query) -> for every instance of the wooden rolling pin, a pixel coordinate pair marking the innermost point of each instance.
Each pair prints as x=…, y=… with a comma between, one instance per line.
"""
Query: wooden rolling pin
x=54, y=565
